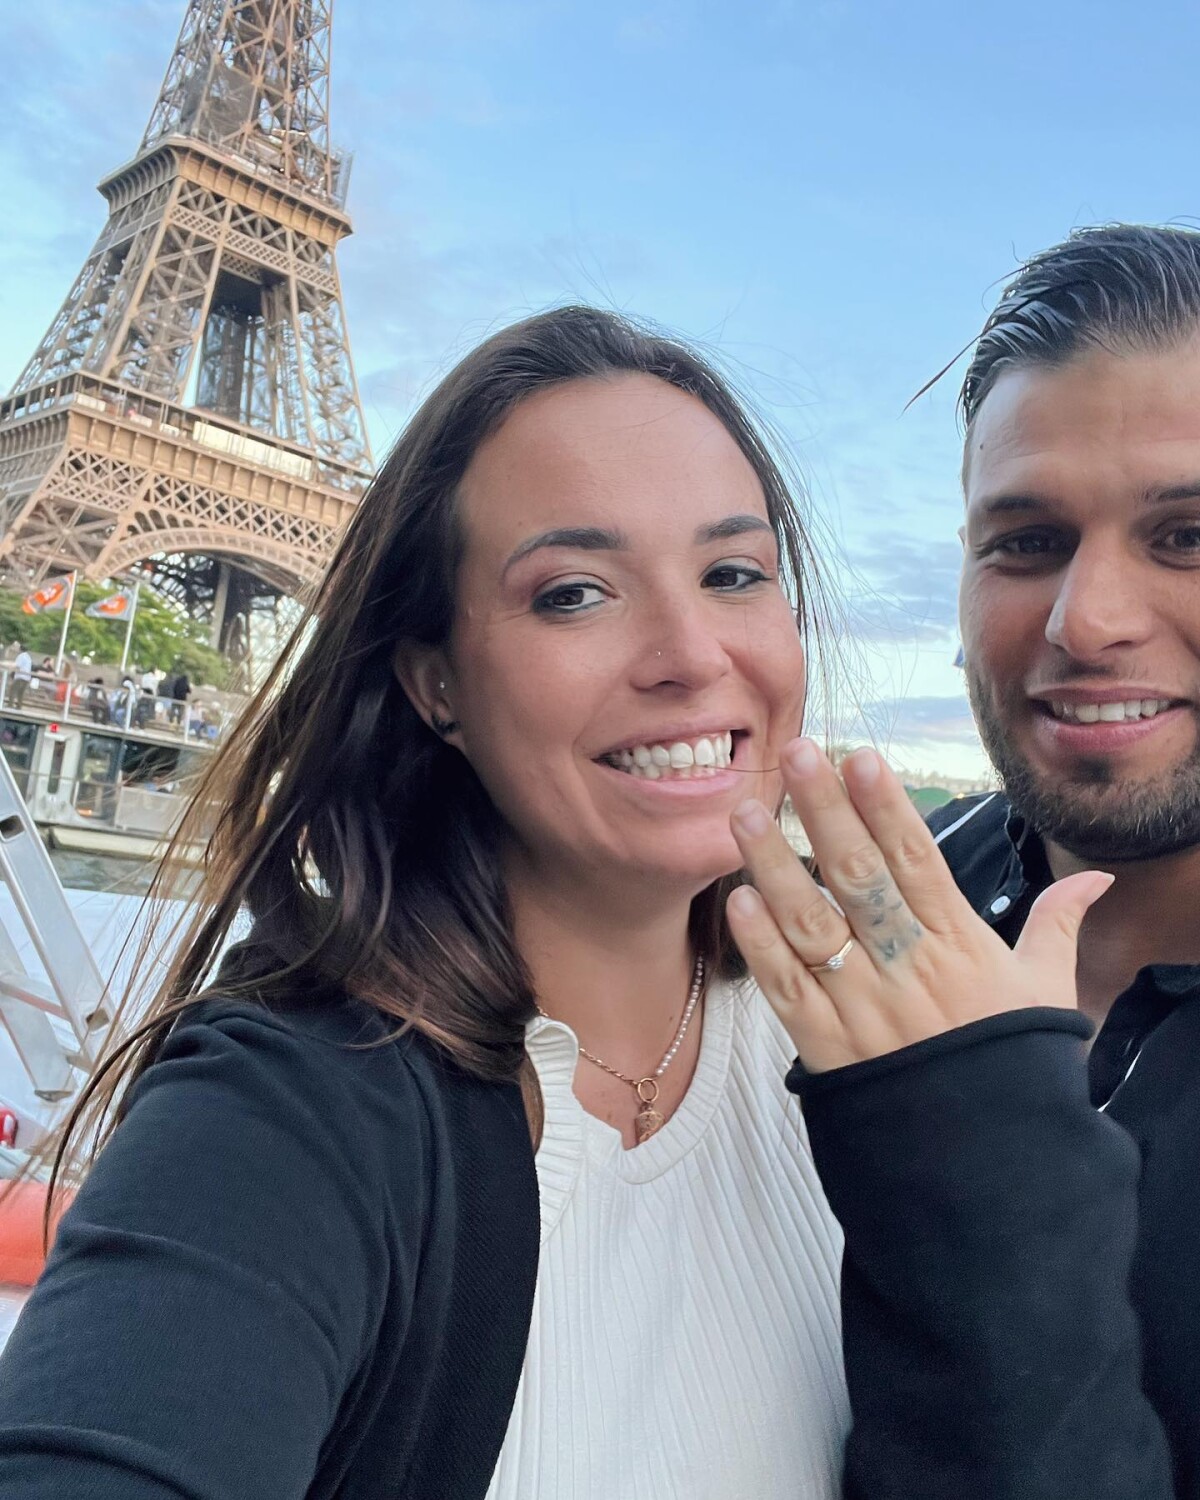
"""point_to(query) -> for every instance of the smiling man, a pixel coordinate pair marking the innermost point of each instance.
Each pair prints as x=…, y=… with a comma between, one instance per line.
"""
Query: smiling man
x=1080, y=615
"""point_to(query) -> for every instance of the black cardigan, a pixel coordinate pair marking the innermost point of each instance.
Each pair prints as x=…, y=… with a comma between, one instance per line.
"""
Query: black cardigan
x=1020, y=1292
x=991, y=1216
x=301, y=1267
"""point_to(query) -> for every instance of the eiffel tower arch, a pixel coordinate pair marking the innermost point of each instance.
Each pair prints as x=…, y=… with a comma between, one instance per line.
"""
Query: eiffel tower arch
x=192, y=411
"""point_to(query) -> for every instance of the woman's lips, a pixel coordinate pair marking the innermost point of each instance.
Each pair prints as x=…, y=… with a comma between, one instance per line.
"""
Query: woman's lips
x=665, y=772
x=675, y=755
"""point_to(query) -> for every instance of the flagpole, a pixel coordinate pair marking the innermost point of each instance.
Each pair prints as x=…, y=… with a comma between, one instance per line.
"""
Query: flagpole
x=133, y=603
x=62, y=640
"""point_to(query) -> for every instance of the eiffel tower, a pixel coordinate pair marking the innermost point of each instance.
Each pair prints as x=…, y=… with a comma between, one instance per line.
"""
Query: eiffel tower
x=192, y=412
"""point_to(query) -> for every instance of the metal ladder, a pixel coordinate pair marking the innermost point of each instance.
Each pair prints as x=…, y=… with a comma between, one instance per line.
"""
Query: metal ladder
x=53, y=1057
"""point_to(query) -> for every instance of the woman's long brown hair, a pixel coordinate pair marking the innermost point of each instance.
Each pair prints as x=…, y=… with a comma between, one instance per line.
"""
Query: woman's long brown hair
x=339, y=820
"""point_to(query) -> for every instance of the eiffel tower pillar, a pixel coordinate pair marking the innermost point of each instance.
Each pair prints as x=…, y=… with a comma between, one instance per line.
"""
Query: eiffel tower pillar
x=220, y=606
x=194, y=399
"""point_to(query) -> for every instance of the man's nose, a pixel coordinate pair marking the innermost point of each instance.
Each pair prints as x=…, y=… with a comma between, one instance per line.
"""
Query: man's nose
x=1103, y=602
x=681, y=646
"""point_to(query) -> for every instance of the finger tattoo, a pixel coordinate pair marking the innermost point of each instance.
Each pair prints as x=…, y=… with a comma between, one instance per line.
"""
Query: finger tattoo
x=891, y=948
x=894, y=928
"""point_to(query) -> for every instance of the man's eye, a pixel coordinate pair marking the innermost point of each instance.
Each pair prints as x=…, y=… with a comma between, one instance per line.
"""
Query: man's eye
x=1027, y=544
x=732, y=577
x=568, y=599
x=1184, y=538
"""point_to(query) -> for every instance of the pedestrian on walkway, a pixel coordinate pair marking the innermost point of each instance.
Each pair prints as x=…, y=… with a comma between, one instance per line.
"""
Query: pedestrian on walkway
x=22, y=675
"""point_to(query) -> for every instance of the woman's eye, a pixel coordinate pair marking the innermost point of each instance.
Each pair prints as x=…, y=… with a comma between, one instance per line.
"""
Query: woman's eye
x=568, y=599
x=731, y=577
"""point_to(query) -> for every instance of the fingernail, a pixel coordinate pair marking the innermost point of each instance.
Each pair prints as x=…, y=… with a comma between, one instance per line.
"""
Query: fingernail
x=745, y=901
x=752, y=818
x=867, y=766
x=802, y=757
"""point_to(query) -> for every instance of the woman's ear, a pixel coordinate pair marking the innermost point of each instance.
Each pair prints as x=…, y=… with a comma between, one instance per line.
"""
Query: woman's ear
x=425, y=678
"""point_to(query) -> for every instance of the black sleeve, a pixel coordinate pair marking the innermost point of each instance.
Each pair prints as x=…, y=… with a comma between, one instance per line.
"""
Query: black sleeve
x=211, y=1290
x=990, y=1215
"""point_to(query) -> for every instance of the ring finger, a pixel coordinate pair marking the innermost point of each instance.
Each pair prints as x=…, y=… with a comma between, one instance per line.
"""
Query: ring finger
x=811, y=924
x=850, y=861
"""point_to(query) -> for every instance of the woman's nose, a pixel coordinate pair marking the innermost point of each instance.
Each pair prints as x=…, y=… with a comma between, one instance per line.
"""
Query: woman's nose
x=681, y=648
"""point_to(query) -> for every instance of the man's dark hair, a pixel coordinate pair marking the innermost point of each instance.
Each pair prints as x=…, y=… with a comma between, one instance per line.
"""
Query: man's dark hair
x=1115, y=287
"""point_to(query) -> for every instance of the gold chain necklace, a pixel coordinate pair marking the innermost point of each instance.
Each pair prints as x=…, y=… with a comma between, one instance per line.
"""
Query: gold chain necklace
x=649, y=1120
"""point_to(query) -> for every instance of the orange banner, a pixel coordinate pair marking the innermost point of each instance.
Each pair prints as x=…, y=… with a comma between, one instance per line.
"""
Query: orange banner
x=114, y=607
x=55, y=593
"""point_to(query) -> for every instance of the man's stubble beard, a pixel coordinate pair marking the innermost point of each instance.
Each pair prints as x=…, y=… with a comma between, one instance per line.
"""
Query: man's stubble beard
x=1093, y=814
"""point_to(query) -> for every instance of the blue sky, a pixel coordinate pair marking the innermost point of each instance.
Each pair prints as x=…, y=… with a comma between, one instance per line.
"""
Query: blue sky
x=825, y=194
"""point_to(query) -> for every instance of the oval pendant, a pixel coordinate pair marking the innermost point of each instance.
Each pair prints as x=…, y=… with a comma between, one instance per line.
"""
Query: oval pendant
x=647, y=1123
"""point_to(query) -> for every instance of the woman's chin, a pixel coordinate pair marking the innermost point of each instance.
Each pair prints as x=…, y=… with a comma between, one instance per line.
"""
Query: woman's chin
x=695, y=869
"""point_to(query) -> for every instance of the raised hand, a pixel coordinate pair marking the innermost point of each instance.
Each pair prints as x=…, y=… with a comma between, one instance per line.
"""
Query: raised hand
x=905, y=958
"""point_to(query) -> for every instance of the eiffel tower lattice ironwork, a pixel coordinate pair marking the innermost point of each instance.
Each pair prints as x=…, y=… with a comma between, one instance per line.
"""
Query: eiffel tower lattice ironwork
x=194, y=400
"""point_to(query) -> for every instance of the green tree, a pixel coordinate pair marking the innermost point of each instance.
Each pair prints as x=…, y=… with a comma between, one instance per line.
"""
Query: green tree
x=162, y=634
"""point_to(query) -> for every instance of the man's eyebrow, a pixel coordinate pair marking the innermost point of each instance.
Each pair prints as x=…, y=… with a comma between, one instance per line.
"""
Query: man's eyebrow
x=731, y=526
x=583, y=538
x=1000, y=505
x=1004, y=505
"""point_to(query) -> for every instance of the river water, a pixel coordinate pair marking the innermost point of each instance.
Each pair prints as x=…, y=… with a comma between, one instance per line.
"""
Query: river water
x=103, y=872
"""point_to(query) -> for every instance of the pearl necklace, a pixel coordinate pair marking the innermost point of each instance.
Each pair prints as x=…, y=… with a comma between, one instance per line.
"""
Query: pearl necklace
x=649, y=1120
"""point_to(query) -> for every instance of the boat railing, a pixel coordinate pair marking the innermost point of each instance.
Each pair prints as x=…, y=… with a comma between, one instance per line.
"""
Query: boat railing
x=151, y=807
x=61, y=699
x=55, y=1012
x=143, y=808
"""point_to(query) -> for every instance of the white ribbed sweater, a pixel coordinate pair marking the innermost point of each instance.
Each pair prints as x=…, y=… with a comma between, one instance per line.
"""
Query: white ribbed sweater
x=685, y=1339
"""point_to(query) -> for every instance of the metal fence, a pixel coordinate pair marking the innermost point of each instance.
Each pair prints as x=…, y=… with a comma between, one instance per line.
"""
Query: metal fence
x=52, y=698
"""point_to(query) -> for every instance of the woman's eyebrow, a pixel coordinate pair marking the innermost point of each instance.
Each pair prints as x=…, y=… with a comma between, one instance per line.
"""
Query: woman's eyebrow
x=596, y=539
x=732, y=526
x=585, y=538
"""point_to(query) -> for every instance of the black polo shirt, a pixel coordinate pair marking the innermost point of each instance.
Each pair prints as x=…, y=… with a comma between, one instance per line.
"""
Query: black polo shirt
x=1000, y=866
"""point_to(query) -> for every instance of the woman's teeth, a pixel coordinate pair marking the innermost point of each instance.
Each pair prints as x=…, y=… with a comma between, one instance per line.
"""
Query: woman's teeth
x=682, y=760
x=1109, y=713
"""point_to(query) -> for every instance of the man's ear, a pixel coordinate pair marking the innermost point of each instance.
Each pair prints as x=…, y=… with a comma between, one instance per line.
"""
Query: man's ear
x=423, y=674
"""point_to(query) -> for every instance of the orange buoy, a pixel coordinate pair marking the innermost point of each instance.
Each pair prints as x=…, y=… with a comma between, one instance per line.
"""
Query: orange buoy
x=21, y=1254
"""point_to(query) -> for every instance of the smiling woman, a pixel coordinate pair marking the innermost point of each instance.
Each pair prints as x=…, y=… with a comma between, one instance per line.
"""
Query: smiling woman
x=658, y=620
x=490, y=1034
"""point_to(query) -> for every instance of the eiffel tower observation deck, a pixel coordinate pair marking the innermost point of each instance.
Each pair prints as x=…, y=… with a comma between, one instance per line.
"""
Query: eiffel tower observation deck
x=192, y=411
